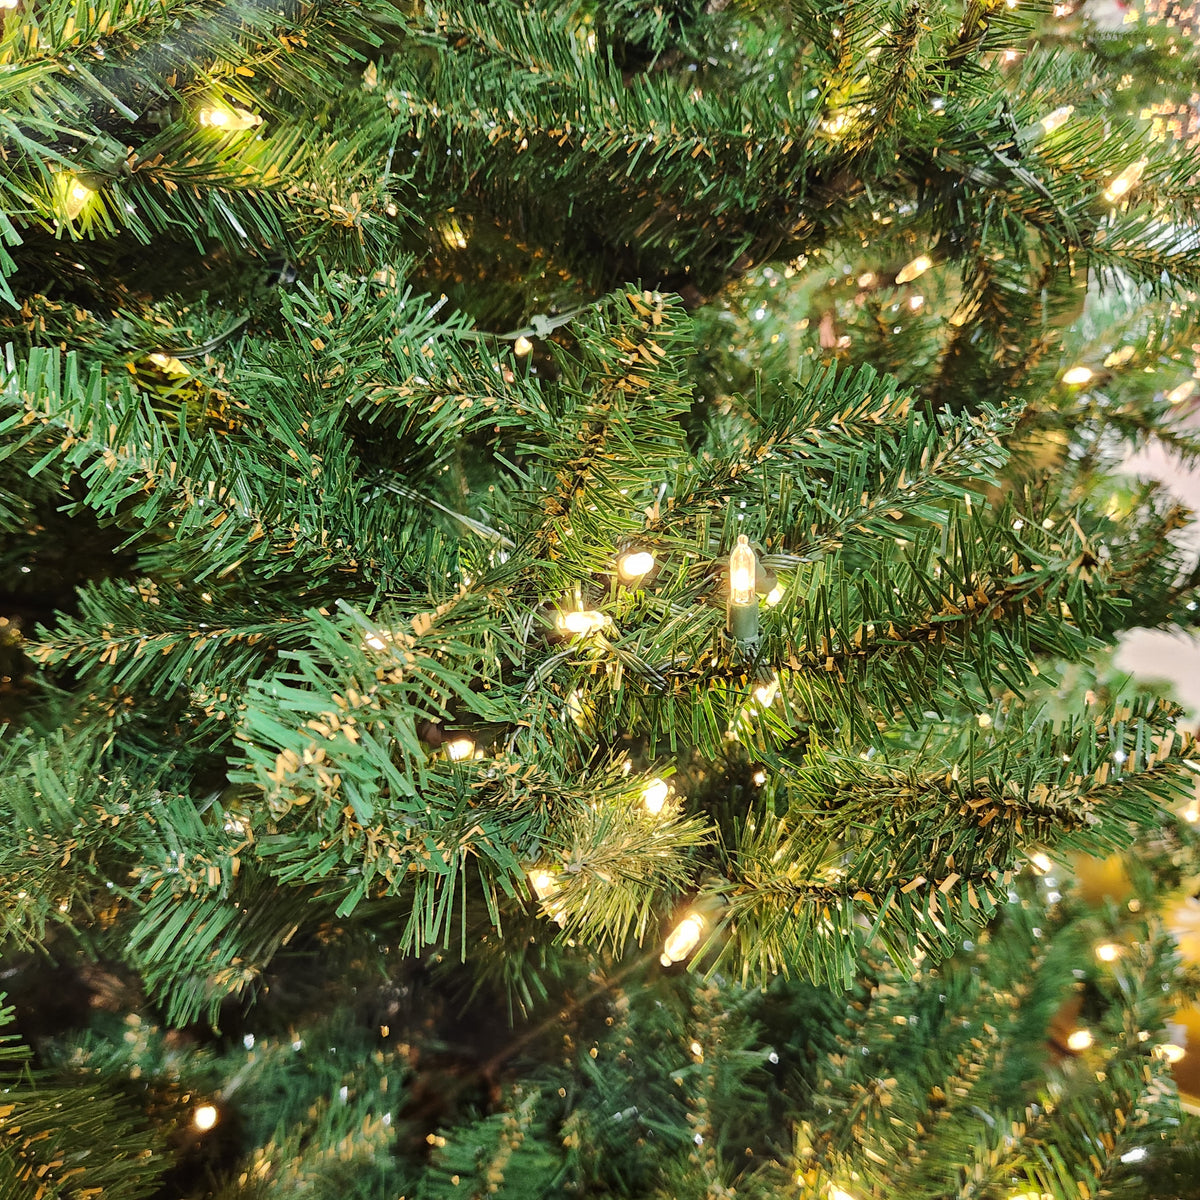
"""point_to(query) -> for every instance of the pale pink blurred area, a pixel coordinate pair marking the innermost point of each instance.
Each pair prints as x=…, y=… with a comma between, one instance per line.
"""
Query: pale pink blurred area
x=1171, y=655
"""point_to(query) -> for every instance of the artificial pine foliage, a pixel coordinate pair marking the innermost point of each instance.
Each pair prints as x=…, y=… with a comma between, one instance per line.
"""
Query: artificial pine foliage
x=387, y=386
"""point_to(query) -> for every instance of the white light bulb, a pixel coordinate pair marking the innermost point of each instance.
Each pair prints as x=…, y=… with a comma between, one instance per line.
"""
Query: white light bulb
x=654, y=795
x=205, y=1117
x=582, y=621
x=1169, y=1052
x=912, y=270
x=1041, y=862
x=683, y=939
x=1077, y=375
x=742, y=572
x=1058, y=118
x=1108, y=952
x=522, y=346
x=459, y=749
x=1080, y=1039
x=635, y=564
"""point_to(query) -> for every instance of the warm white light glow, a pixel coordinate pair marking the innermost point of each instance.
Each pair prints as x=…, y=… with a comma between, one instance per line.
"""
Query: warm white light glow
x=759, y=777
x=8, y=3
x=205, y=1117
x=459, y=749
x=220, y=116
x=1077, y=375
x=1181, y=393
x=1041, y=862
x=654, y=795
x=1108, y=952
x=1126, y=181
x=376, y=642
x=912, y=270
x=543, y=883
x=1169, y=1052
x=765, y=693
x=1080, y=1039
x=774, y=596
x=838, y=1193
x=1058, y=118
x=635, y=564
x=683, y=939
x=522, y=346
x=742, y=572
x=1192, y=814
x=582, y=620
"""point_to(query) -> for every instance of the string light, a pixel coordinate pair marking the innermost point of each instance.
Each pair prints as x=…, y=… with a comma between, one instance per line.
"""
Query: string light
x=1191, y=814
x=545, y=885
x=582, y=620
x=634, y=564
x=765, y=693
x=9, y=3
x=654, y=795
x=459, y=749
x=837, y=1193
x=522, y=346
x=226, y=118
x=1169, y=1052
x=1080, y=1039
x=1058, y=118
x=743, y=606
x=683, y=939
x=1126, y=181
x=1108, y=952
x=914, y=269
x=205, y=1117
x=1181, y=393
x=73, y=195
x=774, y=596
x=1077, y=375
x=1041, y=862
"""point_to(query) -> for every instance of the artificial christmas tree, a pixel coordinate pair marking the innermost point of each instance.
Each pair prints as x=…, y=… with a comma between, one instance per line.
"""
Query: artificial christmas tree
x=491, y=525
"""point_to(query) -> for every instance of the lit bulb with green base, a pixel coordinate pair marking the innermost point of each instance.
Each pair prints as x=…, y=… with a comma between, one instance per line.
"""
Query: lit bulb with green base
x=743, y=602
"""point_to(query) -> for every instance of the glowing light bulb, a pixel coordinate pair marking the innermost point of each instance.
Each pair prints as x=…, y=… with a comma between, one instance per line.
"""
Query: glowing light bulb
x=543, y=883
x=205, y=1117
x=1058, y=118
x=73, y=195
x=1076, y=376
x=1182, y=392
x=774, y=596
x=522, y=346
x=742, y=572
x=459, y=749
x=582, y=620
x=1041, y=863
x=866, y=279
x=1169, y=1052
x=1126, y=181
x=765, y=693
x=683, y=939
x=654, y=795
x=376, y=642
x=759, y=777
x=1108, y=952
x=8, y=3
x=914, y=269
x=1080, y=1039
x=1191, y=814
x=915, y=302
x=634, y=564
x=227, y=118
x=838, y=1193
